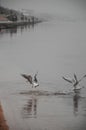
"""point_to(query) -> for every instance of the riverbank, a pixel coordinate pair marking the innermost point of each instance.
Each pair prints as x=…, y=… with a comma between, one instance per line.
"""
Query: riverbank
x=3, y=124
x=6, y=24
x=10, y=18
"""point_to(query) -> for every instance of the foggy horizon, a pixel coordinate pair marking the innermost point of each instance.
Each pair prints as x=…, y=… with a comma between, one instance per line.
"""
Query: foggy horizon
x=74, y=9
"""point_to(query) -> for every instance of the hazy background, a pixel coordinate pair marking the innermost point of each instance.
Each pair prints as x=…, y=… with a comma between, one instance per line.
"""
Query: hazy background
x=54, y=48
x=68, y=8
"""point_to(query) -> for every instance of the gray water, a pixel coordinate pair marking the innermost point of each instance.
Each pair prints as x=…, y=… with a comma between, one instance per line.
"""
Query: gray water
x=54, y=48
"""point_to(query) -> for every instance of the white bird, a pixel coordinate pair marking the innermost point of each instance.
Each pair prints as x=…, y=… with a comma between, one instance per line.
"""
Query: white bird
x=33, y=82
x=74, y=81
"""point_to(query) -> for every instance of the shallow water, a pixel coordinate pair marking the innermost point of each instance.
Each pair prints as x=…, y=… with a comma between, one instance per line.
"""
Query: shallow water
x=54, y=48
x=24, y=109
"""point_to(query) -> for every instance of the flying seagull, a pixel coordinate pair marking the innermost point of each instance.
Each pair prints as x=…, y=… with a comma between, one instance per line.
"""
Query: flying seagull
x=31, y=80
x=74, y=81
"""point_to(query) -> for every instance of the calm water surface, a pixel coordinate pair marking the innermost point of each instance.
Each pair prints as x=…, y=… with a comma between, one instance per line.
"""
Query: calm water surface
x=54, y=48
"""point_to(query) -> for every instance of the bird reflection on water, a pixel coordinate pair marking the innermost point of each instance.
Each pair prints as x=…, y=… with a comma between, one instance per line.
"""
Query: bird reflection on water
x=30, y=108
x=76, y=98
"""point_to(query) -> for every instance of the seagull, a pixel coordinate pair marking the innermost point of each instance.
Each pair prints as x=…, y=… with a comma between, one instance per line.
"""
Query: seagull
x=35, y=81
x=31, y=80
x=74, y=81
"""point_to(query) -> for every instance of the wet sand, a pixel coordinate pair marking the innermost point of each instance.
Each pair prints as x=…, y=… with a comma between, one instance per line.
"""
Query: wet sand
x=3, y=124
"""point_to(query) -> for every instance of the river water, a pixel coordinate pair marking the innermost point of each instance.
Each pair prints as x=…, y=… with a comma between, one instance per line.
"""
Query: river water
x=54, y=48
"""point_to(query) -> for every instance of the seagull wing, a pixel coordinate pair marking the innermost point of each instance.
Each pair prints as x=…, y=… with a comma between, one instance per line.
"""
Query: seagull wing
x=82, y=78
x=35, y=78
x=24, y=76
x=67, y=80
x=75, y=77
x=28, y=77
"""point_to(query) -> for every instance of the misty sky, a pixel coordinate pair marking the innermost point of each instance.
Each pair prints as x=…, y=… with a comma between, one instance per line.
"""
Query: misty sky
x=71, y=8
x=64, y=43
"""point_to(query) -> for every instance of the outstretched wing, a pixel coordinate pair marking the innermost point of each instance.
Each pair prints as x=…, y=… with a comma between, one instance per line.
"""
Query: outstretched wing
x=75, y=77
x=24, y=76
x=28, y=77
x=82, y=78
x=35, y=78
x=67, y=80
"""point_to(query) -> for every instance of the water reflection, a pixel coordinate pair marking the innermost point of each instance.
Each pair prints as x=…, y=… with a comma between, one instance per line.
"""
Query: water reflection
x=30, y=108
x=76, y=102
x=14, y=30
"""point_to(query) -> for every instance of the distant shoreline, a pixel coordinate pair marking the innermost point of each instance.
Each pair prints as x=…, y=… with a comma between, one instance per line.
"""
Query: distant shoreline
x=7, y=25
x=10, y=18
